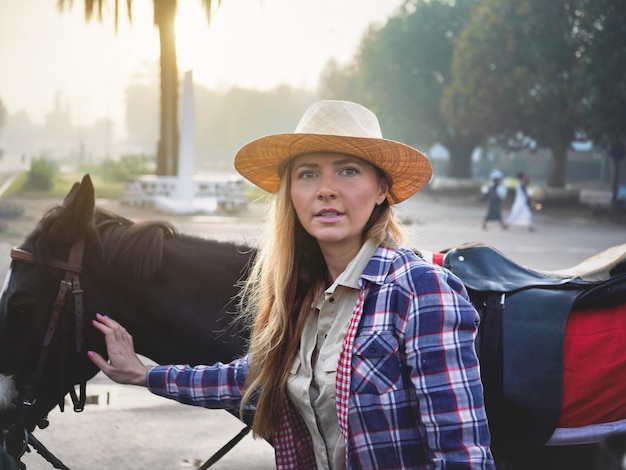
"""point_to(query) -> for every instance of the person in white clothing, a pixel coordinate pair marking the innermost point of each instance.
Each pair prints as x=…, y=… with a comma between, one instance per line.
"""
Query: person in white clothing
x=521, y=213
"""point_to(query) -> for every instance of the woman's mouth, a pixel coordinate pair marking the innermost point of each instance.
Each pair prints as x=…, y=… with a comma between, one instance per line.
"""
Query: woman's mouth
x=328, y=215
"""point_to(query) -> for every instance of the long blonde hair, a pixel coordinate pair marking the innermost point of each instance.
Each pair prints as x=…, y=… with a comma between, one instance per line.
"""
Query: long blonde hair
x=288, y=273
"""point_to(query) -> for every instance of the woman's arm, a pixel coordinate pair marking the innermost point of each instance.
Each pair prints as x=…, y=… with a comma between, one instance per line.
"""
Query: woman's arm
x=445, y=371
x=216, y=386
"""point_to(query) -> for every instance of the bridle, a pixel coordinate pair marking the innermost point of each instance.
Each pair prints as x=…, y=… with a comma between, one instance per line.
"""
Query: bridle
x=69, y=289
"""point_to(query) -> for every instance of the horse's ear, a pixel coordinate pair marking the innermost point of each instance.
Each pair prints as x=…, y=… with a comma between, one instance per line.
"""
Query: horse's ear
x=82, y=194
x=73, y=191
x=76, y=218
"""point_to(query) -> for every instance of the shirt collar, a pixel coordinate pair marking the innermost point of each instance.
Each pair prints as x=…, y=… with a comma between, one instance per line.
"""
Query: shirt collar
x=378, y=267
x=350, y=276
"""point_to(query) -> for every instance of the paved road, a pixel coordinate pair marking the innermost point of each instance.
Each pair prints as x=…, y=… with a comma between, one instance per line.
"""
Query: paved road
x=131, y=429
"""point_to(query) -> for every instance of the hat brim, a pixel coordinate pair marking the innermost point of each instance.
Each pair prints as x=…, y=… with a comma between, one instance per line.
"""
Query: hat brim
x=408, y=169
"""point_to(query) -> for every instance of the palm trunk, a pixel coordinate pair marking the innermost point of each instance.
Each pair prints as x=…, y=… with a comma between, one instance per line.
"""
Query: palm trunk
x=167, y=152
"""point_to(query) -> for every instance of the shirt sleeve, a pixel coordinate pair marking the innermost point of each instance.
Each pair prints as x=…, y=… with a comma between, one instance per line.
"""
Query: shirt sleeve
x=445, y=371
x=217, y=386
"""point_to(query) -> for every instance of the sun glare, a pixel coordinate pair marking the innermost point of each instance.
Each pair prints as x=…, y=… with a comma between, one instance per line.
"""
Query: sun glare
x=192, y=33
x=222, y=51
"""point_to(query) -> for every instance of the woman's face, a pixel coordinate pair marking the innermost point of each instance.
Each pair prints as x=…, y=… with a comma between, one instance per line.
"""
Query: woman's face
x=334, y=195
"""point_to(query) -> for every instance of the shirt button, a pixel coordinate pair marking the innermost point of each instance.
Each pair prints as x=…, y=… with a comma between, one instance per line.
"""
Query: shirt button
x=372, y=349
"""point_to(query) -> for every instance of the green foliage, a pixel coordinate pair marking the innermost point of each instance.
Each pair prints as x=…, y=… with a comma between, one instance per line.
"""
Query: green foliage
x=461, y=72
x=600, y=32
x=400, y=72
x=41, y=176
x=515, y=71
x=130, y=165
x=550, y=70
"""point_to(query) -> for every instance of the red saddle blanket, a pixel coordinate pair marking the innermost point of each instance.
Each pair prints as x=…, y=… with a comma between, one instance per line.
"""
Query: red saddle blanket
x=594, y=369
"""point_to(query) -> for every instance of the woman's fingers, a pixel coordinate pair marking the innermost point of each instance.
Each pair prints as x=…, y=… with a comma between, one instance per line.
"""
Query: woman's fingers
x=107, y=322
x=98, y=360
x=123, y=366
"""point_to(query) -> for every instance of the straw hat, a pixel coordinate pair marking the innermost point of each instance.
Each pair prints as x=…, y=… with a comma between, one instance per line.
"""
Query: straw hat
x=342, y=127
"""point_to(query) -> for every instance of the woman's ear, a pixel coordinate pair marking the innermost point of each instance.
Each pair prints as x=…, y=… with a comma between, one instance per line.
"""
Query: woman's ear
x=383, y=192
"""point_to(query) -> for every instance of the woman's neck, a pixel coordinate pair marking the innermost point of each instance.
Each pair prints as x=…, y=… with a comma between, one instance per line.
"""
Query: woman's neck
x=337, y=258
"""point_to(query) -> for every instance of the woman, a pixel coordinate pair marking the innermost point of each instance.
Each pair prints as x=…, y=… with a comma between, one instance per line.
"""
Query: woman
x=520, y=211
x=362, y=354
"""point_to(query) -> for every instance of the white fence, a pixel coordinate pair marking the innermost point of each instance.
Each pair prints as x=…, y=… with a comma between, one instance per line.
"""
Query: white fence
x=144, y=190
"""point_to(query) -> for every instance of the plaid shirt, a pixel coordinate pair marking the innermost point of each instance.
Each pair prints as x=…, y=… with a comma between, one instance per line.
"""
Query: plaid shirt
x=408, y=383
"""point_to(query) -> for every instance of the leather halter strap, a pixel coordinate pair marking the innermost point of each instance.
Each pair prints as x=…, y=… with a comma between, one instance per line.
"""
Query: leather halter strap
x=27, y=257
x=69, y=285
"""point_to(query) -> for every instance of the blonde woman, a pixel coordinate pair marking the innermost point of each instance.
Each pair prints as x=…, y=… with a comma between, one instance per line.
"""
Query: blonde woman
x=362, y=354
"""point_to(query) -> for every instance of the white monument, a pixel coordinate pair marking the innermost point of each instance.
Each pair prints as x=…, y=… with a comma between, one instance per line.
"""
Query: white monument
x=186, y=193
x=184, y=198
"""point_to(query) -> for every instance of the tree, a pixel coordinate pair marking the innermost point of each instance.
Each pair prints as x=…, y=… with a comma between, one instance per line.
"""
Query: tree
x=400, y=72
x=517, y=74
x=164, y=16
x=600, y=30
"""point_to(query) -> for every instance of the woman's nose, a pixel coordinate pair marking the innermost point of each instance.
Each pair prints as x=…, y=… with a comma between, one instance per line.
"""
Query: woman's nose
x=327, y=187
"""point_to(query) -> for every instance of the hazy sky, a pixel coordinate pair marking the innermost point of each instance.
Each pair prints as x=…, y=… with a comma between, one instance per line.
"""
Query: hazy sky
x=252, y=43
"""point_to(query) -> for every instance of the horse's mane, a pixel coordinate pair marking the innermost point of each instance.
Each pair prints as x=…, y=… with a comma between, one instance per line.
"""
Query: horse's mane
x=133, y=249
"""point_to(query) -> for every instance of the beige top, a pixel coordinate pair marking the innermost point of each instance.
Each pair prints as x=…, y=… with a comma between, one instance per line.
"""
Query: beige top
x=311, y=384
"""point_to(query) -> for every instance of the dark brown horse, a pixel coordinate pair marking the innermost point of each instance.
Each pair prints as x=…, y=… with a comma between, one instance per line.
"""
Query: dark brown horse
x=174, y=293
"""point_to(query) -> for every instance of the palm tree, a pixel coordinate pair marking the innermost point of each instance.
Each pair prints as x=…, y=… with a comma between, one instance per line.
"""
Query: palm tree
x=164, y=16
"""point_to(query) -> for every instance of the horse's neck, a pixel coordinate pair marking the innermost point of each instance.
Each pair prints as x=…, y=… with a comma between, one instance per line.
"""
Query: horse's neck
x=185, y=315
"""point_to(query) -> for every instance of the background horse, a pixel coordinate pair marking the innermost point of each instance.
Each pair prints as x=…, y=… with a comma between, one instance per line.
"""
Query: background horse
x=173, y=293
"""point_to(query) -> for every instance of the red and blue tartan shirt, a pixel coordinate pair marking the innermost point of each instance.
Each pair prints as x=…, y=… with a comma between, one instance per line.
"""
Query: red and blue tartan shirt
x=408, y=384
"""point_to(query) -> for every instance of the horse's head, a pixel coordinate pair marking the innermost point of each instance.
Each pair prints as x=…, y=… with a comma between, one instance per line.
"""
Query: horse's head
x=42, y=318
x=174, y=293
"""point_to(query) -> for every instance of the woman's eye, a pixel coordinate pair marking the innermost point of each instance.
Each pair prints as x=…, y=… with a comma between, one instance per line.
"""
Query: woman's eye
x=306, y=174
x=349, y=171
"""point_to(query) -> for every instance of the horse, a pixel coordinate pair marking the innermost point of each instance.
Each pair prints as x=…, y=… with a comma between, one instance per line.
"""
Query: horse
x=176, y=295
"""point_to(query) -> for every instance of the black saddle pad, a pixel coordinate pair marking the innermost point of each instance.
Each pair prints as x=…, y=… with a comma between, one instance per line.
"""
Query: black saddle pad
x=520, y=341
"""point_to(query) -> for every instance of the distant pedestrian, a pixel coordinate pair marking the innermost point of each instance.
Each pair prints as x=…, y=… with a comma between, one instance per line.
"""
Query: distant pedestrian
x=495, y=195
x=521, y=213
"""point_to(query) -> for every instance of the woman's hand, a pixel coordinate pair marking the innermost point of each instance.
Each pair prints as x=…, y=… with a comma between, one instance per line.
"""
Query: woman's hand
x=124, y=366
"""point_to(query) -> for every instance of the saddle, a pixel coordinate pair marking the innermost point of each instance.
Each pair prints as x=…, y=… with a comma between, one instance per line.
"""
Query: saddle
x=520, y=341
x=484, y=268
